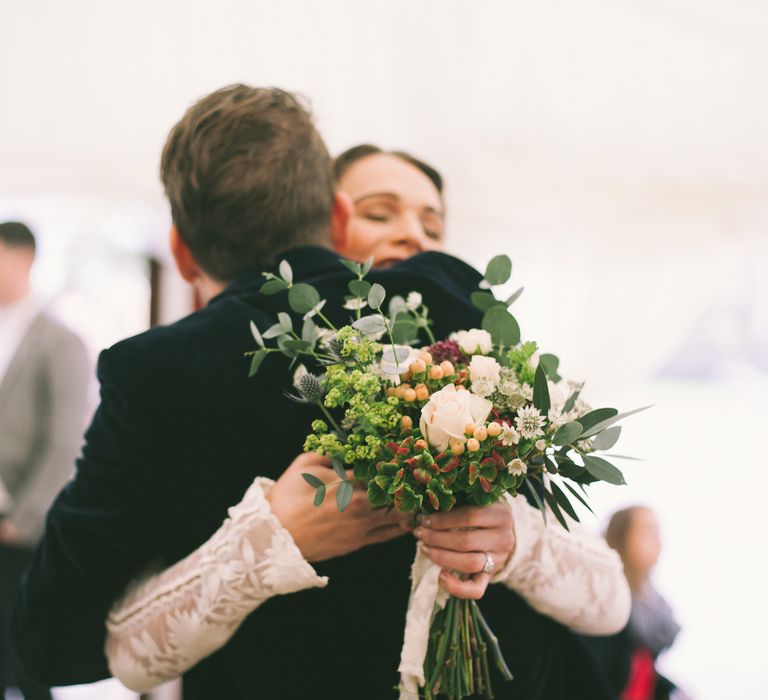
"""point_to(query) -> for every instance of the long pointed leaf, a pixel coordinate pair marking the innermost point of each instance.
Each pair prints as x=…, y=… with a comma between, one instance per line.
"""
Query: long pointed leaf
x=579, y=496
x=537, y=498
x=610, y=421
x=562, y=499
x=555, y=509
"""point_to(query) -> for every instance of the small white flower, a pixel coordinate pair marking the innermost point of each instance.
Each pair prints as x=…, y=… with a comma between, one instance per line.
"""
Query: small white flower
x=475, y=341
x=517, y=467
x=509, y=436
x=526, y=391
x=585, y=445
x=508, y=387
x=557, y=419
x=483, y=386
x=355, y=304
x=413, y=301
x=541, y=445
x=516, y=400
x=324, y=335
x=529, y=422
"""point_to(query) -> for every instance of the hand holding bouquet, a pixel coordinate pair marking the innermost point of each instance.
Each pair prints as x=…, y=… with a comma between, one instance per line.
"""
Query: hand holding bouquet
x=465, y=420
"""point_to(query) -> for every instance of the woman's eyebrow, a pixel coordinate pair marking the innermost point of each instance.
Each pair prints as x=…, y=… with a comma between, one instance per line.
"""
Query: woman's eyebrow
x=390, y=195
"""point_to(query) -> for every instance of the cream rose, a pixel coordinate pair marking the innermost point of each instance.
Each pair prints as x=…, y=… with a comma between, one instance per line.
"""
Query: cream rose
x=482, y=367
x=475, y=341
x=447, y=414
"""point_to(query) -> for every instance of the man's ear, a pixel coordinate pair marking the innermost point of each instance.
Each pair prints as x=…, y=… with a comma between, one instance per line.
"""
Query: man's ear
x=182, y=255
x=340, y=215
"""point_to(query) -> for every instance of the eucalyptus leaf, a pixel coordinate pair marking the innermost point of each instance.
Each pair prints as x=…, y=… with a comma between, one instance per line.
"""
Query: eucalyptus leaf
x=352, y=266
x=485, y=300
x=607, y=439
x=541, y=391
x=610, y=421
x=550, y=363
x=309, y=332
x=502, y=326
x=552, y=503
x=338, y=467
x=571, y=402
x=256, y=360
x=285, y=321
x=256, y=335
x=273, y=287
x=514, y=297
x=376, y=296
x=274, y=331
x=286, y=272
x=344, y=495
x=396, y=305
x=591, y=419
x=404, y=330
x=303, y=298
x=579, y=497
x=296, y=346
x=567, y=433
x=312, y=480
x=367, y=265
x=563, y=501
x=319, y=496
x=499, y=270
x=603, y=470
x=370, y=325
x=359, y=288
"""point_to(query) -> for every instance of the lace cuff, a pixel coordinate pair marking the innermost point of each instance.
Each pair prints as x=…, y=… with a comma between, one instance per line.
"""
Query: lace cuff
x=573, y=577
x=167, y=622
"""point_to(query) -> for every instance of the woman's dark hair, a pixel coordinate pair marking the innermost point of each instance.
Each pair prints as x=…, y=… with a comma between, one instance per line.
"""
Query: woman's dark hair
x=349, y=157
x=16, y=235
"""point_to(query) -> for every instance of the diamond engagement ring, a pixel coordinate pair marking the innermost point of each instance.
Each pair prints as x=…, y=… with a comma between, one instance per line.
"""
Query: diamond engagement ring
x=489, y=565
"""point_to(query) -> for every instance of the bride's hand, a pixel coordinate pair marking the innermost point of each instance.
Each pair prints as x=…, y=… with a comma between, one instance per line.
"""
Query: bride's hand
x=459, y=540
x=323, y=532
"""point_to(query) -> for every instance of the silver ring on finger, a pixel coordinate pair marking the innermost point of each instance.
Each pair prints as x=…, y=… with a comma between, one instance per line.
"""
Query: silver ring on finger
x=489, y=565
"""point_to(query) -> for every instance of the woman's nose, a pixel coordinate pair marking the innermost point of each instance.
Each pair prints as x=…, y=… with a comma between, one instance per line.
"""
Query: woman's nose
x=411, y=233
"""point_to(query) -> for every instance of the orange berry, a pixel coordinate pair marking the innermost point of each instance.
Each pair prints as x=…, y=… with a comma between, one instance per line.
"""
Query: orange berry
x=436, y=372
x=426, y=357
x=469, y=429
x=405, y=376
x=422, y=393
x=409, y=394
x=481, y=433
x=447, y=368
x=420, y=445
x=418, y=366
x=494, y=429
x=473, y=445
x=399, y=391
x=391, y=391
x=457, y=447
x=406, y=422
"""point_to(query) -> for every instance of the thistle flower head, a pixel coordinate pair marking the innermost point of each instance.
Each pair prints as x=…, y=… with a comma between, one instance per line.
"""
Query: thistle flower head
x=310, y=387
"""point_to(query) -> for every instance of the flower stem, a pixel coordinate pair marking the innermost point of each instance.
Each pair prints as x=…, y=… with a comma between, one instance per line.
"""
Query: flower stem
x=331, y=419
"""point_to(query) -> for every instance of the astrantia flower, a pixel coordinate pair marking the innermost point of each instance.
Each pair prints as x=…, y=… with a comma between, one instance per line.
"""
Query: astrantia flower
x=517, y=467
x=557, y=419
x=541, y=445
x=508, y=384
x=354, y=304
x=483, y=386
x=530, y=422
x=585, y=445
x=526, y=391
x=413, y=301
x=509, y=436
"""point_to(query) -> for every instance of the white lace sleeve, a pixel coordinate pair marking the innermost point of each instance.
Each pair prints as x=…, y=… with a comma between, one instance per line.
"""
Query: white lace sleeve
x=167, y=622
x=573, y=577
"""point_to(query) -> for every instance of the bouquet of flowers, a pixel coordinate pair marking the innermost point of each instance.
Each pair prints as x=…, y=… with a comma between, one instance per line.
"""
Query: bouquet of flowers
x=429, y=427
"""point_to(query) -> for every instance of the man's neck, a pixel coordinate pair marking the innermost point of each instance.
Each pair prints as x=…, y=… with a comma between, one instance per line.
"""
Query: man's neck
x=207, y=288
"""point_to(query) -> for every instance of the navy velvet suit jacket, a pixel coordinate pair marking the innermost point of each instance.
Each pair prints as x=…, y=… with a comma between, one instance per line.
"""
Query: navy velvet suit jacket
x=177, y=439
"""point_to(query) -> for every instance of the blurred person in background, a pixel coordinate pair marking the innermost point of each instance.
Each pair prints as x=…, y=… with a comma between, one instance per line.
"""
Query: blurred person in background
x=628, y=659
x=44, y=375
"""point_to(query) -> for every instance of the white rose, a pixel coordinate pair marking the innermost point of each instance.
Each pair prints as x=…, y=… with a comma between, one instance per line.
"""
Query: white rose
x=447, y=414
x=484, y=367
x=475, y=341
